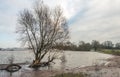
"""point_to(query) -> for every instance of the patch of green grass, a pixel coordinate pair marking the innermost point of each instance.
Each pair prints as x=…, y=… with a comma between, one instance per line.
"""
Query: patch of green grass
x=107, y=51
x=111, y=51
x=70, y=75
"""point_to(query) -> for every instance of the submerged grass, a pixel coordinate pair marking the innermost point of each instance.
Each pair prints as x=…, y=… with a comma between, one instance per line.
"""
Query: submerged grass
x=70, y=75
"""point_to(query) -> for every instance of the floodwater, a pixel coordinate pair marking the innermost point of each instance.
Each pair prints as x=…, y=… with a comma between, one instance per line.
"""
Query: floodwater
x=68, y=60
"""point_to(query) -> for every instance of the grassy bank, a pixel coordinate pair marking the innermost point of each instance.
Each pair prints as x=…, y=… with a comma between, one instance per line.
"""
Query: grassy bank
x=70, y=75
x=111, y=51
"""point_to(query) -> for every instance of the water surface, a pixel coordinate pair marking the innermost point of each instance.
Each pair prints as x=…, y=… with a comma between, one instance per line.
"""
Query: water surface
x=72, y=59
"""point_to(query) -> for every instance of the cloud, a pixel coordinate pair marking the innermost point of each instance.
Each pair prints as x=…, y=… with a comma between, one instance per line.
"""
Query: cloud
x=8, y=20
x=100, y=22
x=87, y=19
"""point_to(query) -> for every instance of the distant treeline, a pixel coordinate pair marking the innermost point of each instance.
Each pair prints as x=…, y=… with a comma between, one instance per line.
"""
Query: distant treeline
x=13, y=49
x=86, y=46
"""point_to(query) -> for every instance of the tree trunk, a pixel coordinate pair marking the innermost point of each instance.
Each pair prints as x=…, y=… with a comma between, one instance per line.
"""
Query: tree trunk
x=37, y=60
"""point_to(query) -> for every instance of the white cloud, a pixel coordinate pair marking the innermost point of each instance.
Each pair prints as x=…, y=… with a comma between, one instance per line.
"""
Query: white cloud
x=89, y=19
x=100, y=22
x=8, y=13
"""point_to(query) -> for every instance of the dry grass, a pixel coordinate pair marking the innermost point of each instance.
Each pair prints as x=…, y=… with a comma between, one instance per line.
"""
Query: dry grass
x=70, y=75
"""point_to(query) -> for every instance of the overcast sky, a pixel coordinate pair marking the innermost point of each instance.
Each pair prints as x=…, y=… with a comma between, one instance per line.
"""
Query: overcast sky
x=88, y=19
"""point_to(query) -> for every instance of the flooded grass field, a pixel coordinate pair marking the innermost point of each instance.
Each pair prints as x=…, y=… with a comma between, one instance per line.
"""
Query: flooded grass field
x=73, y=59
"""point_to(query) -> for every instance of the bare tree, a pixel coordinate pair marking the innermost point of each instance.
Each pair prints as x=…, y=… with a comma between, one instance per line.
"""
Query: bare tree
x=41, y=29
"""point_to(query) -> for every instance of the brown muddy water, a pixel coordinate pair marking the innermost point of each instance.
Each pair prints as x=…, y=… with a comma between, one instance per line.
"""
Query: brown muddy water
x=71, y=59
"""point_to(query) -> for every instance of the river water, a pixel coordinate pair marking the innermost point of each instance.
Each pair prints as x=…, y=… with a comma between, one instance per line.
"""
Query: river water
x=69, y=59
